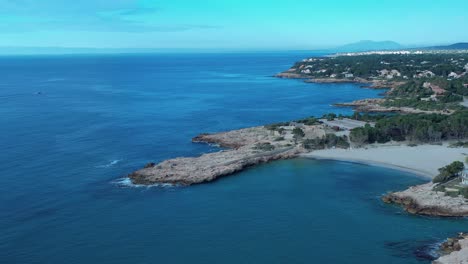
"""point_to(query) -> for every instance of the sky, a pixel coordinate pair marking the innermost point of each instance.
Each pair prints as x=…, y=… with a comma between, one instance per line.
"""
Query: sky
x=229, y=24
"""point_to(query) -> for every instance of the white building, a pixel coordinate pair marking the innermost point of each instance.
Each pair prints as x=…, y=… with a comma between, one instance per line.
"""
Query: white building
x=464, y=176
x=453, y=75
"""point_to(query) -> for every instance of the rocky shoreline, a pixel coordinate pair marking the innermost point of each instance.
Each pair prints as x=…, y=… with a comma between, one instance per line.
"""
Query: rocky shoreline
x=374, y=105
x=373, y=84
x=422, y=200
x=454, y=250
x=363, y=105
x=206, y=168
x=247, y=147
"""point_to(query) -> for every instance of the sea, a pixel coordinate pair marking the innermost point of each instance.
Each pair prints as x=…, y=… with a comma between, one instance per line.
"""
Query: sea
x=73, y=126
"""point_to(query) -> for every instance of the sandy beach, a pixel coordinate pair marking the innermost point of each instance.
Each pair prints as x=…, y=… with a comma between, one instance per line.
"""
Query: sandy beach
x=424, y=160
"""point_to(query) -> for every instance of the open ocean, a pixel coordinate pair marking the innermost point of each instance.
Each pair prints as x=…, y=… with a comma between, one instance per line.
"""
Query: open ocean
x=72, y=127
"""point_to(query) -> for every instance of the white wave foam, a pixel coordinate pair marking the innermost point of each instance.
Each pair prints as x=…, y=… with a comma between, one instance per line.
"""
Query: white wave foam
x=55, y=79
x=110, y=164
x=127, y=183
x=433, y=249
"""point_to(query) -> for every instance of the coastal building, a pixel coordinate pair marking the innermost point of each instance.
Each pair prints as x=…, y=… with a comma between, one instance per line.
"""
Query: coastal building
x=433, y=97
x=424, y=74
x=453, y=75
x=464, y=176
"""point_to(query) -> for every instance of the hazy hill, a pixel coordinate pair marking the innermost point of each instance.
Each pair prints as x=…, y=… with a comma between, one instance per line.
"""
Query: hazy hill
x=460, y=45
x=368, y=45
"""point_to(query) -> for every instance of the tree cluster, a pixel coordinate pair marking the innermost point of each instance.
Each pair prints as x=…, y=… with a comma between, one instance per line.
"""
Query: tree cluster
x=449, y=172
x=414, y=127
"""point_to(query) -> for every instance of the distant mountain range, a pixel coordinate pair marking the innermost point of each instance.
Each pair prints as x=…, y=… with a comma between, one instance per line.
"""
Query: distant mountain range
x=368, y=45
x=360, y=46
x=460, y=45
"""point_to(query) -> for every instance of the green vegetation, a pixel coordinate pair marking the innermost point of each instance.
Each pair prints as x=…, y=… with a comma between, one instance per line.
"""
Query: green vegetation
x=363, y=135
x=310, y=121
x=423, y=105
x=330, y=116
x=452, y=189
x=298, y=133
x=329, y=141
x=449, y=172
x=417, y=76
x=370, y=66
x=439, y=188
x=414, y=127
x=369, y=117
x=276, y=126
x=416, y=93
x=264, y=146
x=464, y=192
x=459, y=144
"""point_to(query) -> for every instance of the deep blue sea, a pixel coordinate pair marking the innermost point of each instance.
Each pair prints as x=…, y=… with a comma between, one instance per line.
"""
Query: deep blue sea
x=72, y=127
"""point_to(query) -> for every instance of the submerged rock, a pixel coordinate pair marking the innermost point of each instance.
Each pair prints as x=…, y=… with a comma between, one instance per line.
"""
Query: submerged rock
x=455, y=250
x=150, y=165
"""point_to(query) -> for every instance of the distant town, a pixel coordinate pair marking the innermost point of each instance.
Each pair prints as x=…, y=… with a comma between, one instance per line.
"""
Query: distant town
x=402, y=52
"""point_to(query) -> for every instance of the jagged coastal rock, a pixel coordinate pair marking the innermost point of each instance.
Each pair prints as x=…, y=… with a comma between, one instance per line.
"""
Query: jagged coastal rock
x=247, y=147
x=373, y=84
x=291, y=75
x=455, y=250
x=375, y=105
x=208, y=167
x=423, y=200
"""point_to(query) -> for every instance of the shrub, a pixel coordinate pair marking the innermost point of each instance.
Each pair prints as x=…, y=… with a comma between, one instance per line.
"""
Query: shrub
x=330, y=116
x=276, y=126
x=459, y=144
x=449, y=172
x=464, y=192
x=264, y=146
x=330, y=140
x=439, y=188
x=298, y=133
x=310, y=121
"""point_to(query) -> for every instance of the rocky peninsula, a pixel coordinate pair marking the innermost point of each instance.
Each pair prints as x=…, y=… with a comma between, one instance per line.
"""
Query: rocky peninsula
x=423, y=200
x=246, y=147
x=375, y=105
x=428, y=111
x=366, y=83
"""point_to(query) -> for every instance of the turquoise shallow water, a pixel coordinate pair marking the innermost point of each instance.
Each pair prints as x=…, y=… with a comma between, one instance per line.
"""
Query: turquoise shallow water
x=73, y=126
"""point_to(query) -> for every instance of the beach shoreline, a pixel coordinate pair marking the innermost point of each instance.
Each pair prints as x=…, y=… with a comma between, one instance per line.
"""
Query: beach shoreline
x=422, y=174
x=422, y=160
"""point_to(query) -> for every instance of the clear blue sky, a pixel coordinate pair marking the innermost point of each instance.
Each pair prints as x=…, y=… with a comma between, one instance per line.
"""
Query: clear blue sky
x=229, y=24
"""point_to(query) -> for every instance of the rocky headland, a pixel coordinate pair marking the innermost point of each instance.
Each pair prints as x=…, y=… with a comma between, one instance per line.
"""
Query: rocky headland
x=423, y=200
x=246, y=147
x=375, y=105
x=366, y=83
